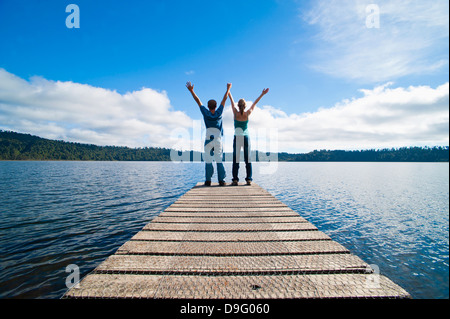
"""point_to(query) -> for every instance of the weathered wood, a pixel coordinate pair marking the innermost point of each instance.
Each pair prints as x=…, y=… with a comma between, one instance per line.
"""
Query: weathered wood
x=229, y=205
x=235, y=286
x=230, y=236
x=230, y=227
x=133, y=247
x=228, y=220
x=228, y=209
x=233, y=242
x=163, y=264
x=229, y=214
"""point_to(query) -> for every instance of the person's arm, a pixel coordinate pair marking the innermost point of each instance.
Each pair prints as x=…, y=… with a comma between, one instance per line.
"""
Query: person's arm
x=226, y=94
x=190, y=87
x=233, y=107
x=264, y=92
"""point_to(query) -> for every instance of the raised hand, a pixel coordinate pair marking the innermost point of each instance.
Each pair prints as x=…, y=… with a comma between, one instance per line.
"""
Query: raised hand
x=190, y=86
x=264, y=92
x=226, y=94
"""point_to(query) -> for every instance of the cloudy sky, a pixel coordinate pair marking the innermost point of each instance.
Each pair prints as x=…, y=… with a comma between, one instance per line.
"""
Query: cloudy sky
x=342, y=74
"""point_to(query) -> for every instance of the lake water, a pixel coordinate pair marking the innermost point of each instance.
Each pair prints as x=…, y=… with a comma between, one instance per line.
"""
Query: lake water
x=393, y=215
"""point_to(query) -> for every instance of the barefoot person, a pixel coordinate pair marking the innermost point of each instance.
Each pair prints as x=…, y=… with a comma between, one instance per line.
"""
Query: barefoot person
x=241, y=137
x=214, y=133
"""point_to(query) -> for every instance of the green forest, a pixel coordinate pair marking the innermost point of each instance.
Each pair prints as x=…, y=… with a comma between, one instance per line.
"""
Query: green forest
x=18, y=146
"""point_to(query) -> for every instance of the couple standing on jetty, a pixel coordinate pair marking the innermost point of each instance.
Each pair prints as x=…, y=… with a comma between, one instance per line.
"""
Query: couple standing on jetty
x=214, y=133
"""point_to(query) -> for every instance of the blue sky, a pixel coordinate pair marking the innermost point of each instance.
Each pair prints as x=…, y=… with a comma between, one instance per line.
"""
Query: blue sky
x=319, y=59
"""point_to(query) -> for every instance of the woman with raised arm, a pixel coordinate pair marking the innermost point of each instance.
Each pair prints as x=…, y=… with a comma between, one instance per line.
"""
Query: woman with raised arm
x=241, y=137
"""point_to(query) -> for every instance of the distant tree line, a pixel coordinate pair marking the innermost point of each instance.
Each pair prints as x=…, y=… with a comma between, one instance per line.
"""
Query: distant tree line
x=18, y=146
x=403, y=154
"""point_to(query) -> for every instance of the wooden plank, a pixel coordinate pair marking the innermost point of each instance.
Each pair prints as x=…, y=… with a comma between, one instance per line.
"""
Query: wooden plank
x=229, y=214
x=241, y=287
x=228, y=220
x=177, y=264
x=254, y=189
x=230, y=236
x=227, y=210
x=231, y=248
x=227, y=199
x=229, y=205
x=230, y=227
x=231, y=197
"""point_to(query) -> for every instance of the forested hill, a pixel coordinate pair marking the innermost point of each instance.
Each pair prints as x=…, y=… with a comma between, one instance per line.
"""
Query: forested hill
x=18, y=146
x=404, y=154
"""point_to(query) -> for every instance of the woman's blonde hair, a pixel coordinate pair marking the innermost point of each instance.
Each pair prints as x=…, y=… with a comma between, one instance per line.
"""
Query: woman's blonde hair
x=241, y=106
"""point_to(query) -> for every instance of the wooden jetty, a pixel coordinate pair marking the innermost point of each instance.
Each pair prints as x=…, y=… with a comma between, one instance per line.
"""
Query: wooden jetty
x=233, y=242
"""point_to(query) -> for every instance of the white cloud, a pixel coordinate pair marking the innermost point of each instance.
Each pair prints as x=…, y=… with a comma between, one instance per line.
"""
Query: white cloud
x=383, y=117
x=412, y=38
x=83, y=113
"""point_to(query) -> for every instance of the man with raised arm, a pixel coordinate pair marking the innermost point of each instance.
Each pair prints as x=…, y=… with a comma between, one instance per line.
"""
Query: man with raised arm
x=214, y=133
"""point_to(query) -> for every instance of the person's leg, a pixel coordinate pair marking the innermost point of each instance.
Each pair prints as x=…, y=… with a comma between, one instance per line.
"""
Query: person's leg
x=209, y=169
x=218, y=153
x=248, y=163
x=221, y=172
x=236, y=157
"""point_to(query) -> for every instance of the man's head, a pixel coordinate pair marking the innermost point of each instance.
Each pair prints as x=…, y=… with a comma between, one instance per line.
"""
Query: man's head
x=212, y=104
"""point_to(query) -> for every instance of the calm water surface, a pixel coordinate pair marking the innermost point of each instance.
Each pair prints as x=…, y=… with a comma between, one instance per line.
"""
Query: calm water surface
x=393, y=215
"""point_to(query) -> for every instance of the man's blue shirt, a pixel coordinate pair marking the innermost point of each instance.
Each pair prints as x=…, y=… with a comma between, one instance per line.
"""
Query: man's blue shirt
x=213, y=120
